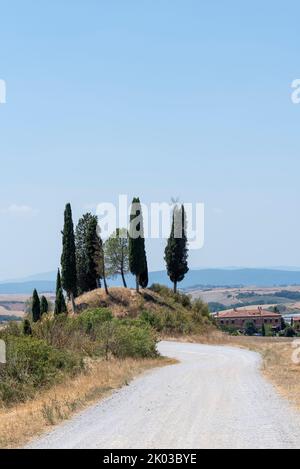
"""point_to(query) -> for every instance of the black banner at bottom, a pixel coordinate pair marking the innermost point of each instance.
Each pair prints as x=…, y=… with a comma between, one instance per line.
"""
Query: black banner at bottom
x=93, y=459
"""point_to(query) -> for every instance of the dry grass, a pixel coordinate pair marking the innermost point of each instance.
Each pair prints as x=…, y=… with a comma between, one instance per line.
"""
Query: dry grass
x=24, y=421
x=125, y=302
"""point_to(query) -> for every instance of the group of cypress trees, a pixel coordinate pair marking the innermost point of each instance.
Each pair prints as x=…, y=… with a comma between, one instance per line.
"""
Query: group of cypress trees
x=83, y=259
x=39, y=306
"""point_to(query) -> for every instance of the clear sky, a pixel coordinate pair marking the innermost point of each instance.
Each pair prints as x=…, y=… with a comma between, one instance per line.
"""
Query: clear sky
x=152, y=98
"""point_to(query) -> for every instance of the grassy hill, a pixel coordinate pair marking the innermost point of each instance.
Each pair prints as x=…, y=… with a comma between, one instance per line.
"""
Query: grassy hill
x=166, y=312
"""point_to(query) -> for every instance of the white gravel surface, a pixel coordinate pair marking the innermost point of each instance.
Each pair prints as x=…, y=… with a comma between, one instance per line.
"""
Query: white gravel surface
x=214, y=398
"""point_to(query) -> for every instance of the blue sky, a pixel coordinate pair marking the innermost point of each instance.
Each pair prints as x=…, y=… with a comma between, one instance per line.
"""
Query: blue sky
x=156, y=99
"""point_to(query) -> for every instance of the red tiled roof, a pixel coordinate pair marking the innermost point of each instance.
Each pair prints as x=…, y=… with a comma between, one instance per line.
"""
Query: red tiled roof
x=246, y=313
x=296, y=319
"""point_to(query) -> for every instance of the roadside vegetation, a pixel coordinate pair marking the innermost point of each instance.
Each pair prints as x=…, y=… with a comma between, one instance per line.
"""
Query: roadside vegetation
x=93, y=330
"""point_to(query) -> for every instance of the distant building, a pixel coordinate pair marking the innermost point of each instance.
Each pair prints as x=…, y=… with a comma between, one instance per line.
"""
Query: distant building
x=237, y=318
x=295, y=322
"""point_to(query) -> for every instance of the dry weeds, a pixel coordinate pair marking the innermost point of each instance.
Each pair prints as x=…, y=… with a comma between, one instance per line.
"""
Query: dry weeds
x=22, y=422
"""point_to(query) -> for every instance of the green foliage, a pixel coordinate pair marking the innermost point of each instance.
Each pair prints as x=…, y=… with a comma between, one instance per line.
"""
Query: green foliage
x=176, y=251
x=136, y=247
x=178, y=297
x=68, y=257
x=263, y=330
x=250, y=328
x=117, y=254
x=86, y=232
x=32, y=364
x=60, y=303
x=89, y=320
x=182, y=317
x=134, y=340
x=27, y=327
x=36, y=306
x=289, y=332
x=144, y=278
x=44, y=305
x=230, y=330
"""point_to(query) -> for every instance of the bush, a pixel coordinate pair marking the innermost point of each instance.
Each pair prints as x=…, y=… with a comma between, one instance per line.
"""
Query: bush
x=90, y=319
x=133, y=341
x=183, y=299
x=67, y=333
x=30, y=365
x=153, y=319
x=250, y=328
x=289, y=332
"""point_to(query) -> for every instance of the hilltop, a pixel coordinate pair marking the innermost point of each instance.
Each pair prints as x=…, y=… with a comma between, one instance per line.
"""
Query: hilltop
x=167, y=312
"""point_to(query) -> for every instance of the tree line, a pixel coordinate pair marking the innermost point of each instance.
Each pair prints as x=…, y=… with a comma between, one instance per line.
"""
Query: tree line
x=87, y=261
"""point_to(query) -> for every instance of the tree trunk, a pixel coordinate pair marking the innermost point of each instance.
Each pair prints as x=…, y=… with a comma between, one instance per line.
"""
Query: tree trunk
x=123, y=278
x=73, y=303
x=175, y=287
x=137, y=283
x=105, y=284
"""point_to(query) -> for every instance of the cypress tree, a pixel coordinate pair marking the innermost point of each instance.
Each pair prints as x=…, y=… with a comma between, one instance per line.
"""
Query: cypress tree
x=60, y=304
x=36, y=306
x=143, y=278
x=176, y=251
x=68, y=257
x=44, y=305
x=27, y=327
x=92, y=241
x=137, y=253
x=99, y=258
x=263, y=330
x=86, y=232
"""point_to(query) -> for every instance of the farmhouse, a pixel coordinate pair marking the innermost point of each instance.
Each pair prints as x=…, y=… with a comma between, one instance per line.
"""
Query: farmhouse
x=237, y=318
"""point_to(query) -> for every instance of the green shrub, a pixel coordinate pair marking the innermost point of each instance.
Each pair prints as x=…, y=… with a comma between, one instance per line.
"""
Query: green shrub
x=289, y=332
x=181, y=298
x=152, y=318
x=133, y=341
x=250, y=328
x=32, y=364
x=66, y=333
x=90, y=319
x=11, y=329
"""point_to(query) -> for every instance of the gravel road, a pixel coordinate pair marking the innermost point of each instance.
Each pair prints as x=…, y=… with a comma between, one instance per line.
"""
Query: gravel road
x=214, y=398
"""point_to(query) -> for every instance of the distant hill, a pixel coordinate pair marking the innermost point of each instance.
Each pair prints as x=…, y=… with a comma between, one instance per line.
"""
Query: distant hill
x=24, y=288
x=194, y=279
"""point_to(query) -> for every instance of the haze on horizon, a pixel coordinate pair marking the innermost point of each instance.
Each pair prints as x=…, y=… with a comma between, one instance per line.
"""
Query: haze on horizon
x=183, y=100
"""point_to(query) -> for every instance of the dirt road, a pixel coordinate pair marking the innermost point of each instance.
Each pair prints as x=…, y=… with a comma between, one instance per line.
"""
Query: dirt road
x=214, y=398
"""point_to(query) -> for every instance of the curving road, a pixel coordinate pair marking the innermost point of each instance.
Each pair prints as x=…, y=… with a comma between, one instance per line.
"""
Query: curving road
x=214, y=398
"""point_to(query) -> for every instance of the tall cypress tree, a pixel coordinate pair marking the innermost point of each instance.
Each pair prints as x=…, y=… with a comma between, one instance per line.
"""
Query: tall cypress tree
x=60, y=304
x=176, y=251
x=137, y=253
x=86, y=232
x=68, y=257
x=99, y=258
x=44, y=305
x=36, y=306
